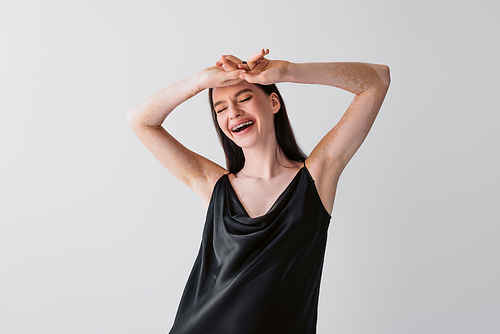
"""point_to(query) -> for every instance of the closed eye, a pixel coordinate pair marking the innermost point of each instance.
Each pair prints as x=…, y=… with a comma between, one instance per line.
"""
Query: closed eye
x=244, y=100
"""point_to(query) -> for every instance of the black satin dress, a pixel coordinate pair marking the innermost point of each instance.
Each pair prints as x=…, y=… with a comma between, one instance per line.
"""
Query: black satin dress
x=257, y=275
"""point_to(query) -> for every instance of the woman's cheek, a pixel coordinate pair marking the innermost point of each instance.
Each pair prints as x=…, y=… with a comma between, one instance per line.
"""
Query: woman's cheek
x=222, y=125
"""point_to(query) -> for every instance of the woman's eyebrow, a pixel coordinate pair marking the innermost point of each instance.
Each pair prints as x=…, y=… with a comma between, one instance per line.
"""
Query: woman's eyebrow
x=246, y=90
x=243, y=91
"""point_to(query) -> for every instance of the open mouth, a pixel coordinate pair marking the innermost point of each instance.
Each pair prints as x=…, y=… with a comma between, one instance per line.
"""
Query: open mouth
x=242, y=126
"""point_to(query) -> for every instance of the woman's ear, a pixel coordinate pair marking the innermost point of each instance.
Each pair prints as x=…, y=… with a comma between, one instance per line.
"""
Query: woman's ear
x=275, y=103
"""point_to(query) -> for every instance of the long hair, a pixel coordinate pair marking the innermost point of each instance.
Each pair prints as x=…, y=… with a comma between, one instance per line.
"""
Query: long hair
x=235, y=159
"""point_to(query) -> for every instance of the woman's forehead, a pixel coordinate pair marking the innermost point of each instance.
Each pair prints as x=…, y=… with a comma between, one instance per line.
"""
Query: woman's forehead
x=232, y=90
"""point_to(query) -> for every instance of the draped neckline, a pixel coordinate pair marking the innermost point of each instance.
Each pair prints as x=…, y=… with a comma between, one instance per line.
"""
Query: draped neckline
x=283, y=193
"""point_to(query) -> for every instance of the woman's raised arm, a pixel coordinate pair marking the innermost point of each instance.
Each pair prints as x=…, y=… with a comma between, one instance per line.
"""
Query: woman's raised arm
x=369, y=83
x=146, y=119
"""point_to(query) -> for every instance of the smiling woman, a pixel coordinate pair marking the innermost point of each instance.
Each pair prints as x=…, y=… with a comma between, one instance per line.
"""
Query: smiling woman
x=235, y=159
x=259, y=267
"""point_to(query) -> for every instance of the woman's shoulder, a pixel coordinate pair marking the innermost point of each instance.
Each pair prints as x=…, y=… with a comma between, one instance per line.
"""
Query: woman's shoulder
x=213, y=176
x=216, y=176
x=325, y=180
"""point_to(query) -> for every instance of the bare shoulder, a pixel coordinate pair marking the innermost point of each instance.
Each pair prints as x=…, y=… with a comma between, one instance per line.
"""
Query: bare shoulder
x=325, y=178
x=205, y=185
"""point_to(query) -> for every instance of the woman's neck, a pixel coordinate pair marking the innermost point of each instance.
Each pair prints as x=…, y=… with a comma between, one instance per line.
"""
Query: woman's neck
x=266, y=162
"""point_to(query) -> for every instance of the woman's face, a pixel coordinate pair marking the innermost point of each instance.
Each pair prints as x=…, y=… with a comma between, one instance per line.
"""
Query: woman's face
x=245, y=113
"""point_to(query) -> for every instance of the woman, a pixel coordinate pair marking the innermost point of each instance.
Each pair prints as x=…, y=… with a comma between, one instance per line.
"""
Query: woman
x=261, y=257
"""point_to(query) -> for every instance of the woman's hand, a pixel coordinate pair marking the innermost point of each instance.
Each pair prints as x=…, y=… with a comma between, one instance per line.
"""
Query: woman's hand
x=231, y=63
x=257, y=69
x=217, y=76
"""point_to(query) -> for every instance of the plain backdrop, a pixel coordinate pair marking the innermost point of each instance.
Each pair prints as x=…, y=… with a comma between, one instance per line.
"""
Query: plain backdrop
x=97, y=237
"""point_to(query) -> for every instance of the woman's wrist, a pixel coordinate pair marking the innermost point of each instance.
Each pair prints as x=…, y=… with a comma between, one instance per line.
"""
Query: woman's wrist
x=290, y=69
x=302, y=73
x=200, y=82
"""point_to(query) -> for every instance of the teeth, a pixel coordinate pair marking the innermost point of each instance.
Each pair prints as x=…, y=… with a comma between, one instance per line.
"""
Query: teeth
x=239, y=126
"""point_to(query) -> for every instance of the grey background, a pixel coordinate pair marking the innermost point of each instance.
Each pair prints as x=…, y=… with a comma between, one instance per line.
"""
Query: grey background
x=97, y=237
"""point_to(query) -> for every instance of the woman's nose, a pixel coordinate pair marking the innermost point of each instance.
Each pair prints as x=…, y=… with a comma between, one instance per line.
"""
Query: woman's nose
x=235, y=112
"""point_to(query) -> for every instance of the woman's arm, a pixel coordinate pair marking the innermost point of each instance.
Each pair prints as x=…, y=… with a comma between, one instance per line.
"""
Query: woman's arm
x=369, y=83
x=145, y=119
